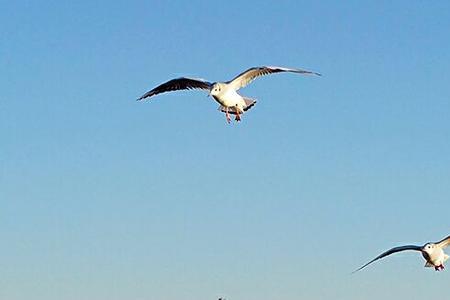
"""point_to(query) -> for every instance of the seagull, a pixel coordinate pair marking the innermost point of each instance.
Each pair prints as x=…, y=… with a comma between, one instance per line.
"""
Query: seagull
x=225, y=93
x=432, y=252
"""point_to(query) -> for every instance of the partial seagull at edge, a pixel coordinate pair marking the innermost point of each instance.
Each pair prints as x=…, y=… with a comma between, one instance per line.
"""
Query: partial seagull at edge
x=433, y=253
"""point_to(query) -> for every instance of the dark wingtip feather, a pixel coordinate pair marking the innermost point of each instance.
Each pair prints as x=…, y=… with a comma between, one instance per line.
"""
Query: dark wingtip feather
x=311, y=73
x=142, y=97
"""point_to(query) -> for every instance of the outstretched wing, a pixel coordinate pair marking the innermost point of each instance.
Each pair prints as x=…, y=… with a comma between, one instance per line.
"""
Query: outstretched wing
x=251, y=74
x=389, y=252
x=444, y=243
x=182, y=83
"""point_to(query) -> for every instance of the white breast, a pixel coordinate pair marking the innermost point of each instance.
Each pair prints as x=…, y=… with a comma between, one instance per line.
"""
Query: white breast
x=437, y=257
x=230, y=98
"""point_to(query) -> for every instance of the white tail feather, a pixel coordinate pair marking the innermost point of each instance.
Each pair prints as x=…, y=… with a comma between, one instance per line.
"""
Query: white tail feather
x=249, y=103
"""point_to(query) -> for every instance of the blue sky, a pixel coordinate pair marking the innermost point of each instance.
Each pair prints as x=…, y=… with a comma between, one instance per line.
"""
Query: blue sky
x=103, y=197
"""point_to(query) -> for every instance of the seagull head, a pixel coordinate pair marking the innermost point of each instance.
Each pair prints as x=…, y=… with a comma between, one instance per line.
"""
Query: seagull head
x=429, y=248
x=216, y=89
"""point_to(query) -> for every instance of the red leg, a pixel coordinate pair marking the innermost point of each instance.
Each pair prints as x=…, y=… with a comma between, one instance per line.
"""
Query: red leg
x=238, y=117
x=227, y=115
x=439, y=268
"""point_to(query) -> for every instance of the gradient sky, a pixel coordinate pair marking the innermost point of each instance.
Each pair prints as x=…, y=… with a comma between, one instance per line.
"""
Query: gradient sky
x=105, y=198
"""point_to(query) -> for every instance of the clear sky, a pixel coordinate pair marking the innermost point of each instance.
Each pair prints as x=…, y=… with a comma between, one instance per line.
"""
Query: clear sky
x=106, y=198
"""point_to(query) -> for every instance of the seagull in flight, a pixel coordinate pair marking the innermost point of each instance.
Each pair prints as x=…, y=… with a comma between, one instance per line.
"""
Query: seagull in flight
x=225, y=93
x=433, y=253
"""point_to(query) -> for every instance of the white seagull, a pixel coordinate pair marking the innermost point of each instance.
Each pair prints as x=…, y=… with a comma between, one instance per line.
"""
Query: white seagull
x=225, y=93
x=432, y=252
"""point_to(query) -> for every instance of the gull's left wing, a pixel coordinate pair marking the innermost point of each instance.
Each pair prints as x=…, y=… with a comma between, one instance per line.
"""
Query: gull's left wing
x=251, y=74
x=444, y=243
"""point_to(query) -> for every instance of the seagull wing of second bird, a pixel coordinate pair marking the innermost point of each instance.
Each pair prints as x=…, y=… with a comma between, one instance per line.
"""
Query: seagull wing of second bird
x=433, y=253
x=225, y=93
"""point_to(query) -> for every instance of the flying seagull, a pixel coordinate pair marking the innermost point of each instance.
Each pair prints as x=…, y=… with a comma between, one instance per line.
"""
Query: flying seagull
x=432, y=252
x=225, y=93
